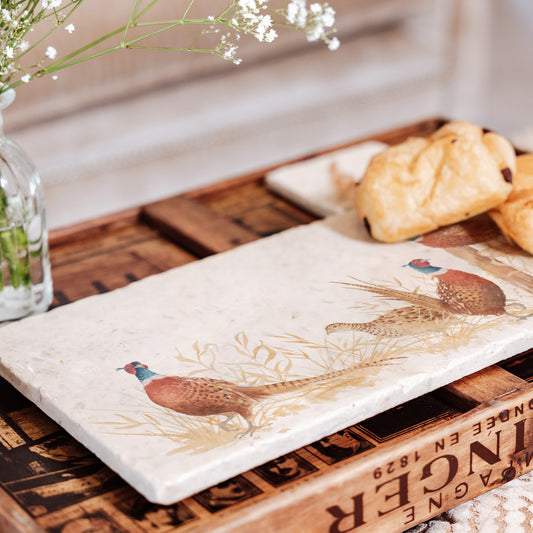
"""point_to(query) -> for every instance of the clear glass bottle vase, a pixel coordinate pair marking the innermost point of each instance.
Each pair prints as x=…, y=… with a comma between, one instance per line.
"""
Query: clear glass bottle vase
x=25, y=278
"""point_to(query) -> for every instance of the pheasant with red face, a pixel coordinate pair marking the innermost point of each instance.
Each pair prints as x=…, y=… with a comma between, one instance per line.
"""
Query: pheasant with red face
x=462, y=292
x=198, y=396
x=458, y=240
x=207, y=396
x=459, y=293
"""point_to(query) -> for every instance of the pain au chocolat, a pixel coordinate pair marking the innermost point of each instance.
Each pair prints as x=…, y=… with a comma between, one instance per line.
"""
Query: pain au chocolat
x=514, y=217
x=425, y=183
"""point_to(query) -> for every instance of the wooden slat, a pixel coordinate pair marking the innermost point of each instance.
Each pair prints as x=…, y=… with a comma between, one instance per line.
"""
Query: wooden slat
x=257, y=209
x=14, y=519
x=96, y=227
x=196, y=227
x=101, y=244
x=117, y=270
x=120, y=255
x=520, y=365
x=402, y=483
x=483, y=386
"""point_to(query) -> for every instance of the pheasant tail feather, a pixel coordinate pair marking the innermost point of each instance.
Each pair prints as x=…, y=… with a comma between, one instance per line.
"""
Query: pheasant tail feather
x=400, y=296
x=283, y=387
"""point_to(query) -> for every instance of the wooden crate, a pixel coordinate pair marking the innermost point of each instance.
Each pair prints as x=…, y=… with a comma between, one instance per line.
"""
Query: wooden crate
x=387, y=473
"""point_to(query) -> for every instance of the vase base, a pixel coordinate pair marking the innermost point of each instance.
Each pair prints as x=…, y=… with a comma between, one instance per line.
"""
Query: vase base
x=22, y=302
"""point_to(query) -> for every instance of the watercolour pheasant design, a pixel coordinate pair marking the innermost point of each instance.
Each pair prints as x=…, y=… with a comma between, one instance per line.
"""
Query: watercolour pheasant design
x=460, y=239
x=208, y=396
x=472, y=231
x=459, y=293
x=462, y=292
x=411, y=320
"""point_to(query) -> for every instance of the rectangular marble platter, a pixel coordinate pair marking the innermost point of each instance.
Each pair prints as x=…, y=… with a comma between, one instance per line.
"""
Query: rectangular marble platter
x=336, y=326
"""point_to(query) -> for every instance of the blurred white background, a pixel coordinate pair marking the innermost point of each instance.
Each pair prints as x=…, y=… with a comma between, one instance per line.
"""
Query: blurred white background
x=134, y=127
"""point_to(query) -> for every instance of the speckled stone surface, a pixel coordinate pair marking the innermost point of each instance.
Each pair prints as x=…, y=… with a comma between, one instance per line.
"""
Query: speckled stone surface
x=254, y=316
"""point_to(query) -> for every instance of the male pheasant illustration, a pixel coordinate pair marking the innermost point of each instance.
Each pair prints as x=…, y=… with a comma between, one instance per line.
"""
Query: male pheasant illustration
x=460, y=240
x=464, y=293
x=459, y=293
x=208, y=396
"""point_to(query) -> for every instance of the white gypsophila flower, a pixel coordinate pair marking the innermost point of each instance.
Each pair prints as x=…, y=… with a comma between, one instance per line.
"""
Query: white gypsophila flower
x=24, y=45
x=314, y=33
x=70, y=28
x=301, y=19
x=229, y=53
x=323, y=13
x=297, y=13
x=51, y=4
x=321, y=16
x=8, y=52
x=292, y=11
x=247, y=6
x=6, y=15
x=51, y=52
x=26, y=78
x=270, y=35
x=264, y=24
x=328, y=17
x=334, y=44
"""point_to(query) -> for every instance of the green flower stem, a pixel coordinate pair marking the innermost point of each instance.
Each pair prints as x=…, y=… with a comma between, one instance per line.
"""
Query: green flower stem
x=70, y=7
x=69, y=60
x=227, y=10
x=64, y=62
x=171, y=25
x=75, y=4
x=130, y=22
x=189, y=7
x=11, y=241
x=238, y=17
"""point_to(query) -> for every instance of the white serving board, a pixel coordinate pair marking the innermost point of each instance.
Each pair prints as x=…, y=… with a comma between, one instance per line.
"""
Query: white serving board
x=254, y=315
x=310, y=183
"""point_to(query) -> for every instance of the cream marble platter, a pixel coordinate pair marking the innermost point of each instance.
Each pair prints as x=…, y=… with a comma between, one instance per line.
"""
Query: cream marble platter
x=255, y=315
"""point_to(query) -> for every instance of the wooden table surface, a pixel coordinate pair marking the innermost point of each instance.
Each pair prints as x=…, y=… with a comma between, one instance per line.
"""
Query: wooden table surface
x=49, y=482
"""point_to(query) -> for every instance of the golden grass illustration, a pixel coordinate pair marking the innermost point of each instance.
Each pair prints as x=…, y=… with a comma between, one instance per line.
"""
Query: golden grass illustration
x=256, y=363
x=271, y=363
x=286, y=357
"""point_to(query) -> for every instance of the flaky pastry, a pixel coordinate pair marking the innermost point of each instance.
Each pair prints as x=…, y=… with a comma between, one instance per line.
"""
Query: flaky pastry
x=425, y=183
x=514, y=217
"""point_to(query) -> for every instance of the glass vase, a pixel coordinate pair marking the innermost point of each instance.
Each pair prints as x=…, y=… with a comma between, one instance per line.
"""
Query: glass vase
x=25, y=278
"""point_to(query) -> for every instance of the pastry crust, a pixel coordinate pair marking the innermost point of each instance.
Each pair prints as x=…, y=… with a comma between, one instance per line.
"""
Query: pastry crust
x=424, y=183
x=515, y=216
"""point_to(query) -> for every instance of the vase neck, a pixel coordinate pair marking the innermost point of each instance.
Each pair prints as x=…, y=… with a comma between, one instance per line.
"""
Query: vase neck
x=6, y=98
